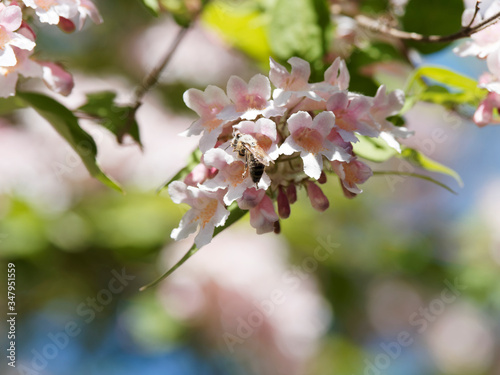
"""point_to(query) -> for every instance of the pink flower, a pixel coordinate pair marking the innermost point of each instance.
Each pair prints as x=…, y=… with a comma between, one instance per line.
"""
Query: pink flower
x=197, y=176
x=352, y=173
x=262, y=213
x=336, y=77
x=49, y=11
x=207, y=105
x=484, y=42
x=10, y=20
x=24, y=66
x=56, y=78
x=264, y=132
x=484, y=113
x=292, y=85
x=250, y=100
x=352, y=115
x=386, y=105
x=232, y=175
x=87, y=9
x=207, y=212
x=309, y=137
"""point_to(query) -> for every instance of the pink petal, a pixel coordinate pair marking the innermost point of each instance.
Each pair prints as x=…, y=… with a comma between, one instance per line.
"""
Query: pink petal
x=178, y=192
x=338, y=102
x=8, y=84
x=323, y=123
x=301, y=71
x=11, y=18
x=259, y=84
x=236, y=89
x=21, y=42
x=277, y=74
x=299, y=120
x=57, y=79
x=7, y=57
x=313, y=164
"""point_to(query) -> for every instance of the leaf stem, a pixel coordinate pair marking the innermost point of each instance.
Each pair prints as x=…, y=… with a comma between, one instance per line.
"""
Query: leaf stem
x=417, y=175
x=236, y=214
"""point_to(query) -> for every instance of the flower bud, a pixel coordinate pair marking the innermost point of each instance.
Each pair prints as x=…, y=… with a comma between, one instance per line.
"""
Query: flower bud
x=322, y=178
x=277, y=227
x=56, y=78
x=318, y=200
x=283, y=204
x=212, y=172
x=347, y=193
x=197, y=176
x=291, y=192
x=66, y=25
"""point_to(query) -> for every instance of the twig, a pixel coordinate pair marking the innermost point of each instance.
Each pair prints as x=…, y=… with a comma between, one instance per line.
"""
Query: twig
x=377, y=26
x=150, y=80
x=476, y=12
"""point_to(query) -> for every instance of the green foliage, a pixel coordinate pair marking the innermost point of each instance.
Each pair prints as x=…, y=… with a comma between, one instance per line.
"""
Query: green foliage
x=373, y=149
x=300, y=28
x=442, y=86
x=420, y=160
x=120, y=120
x=241, y=26
x=374, y=6
x=153, y=6
x=66, y=124
x=10, y=104
x=431, y=17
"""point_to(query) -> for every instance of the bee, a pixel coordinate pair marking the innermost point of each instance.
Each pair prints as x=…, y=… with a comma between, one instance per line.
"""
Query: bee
x=256, y=159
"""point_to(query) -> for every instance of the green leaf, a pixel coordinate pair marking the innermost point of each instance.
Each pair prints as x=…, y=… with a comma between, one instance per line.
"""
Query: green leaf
x=236, y=213
x=374, y=149
x=441, y=75
x=374, y=6
x=241, y=26
x=442, y=86
x=9, y=105
x=193, y=161
x=300, y=28
x=431, y=17
x=66, y=124
x=420, y=160
x=397, y=120
x=152, y=6
x=120, y=120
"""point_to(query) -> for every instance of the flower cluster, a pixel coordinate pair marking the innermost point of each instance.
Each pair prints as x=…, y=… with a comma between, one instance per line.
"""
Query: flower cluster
x=293, y=135
x=485, y=44
x=17, y=40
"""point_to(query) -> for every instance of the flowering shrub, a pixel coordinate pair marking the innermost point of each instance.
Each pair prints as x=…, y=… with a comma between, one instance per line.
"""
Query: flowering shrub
x=263, y=140
x=306, y=129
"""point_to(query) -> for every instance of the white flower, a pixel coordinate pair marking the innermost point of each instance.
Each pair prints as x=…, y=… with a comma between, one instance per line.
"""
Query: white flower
x=49, y=11
x=207, y=212
x=309, y=137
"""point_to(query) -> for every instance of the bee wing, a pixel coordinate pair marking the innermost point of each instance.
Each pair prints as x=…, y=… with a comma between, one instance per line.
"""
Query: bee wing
x=261, y=155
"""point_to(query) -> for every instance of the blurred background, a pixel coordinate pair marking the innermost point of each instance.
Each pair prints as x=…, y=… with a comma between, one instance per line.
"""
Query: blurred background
x=403, y=279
